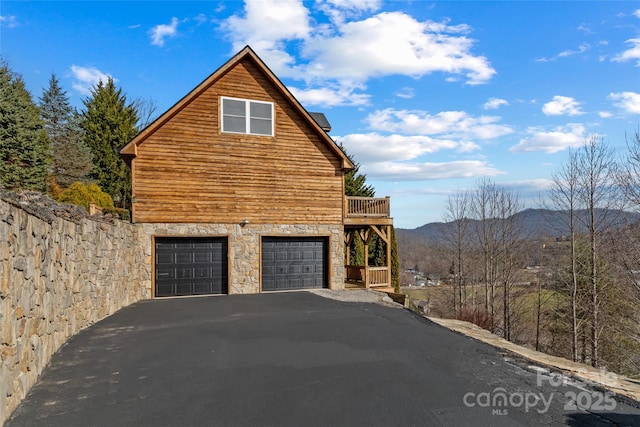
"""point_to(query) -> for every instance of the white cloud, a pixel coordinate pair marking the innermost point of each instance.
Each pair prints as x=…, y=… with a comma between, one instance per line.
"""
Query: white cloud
x=266, y=24
x=355, y=4
x=395, y=43
x=585, y=28
x=494, y=103
x=8, y=21
x=581, y=49
x=449, y=124
x=329, y=97
x=569, y=52
x=632, y=53
x=532, y=185
x=562, y=106
x=86, y=77
x=561, y=138
x=605, y=114
x=160, y=32
x=405, y=93
x=628, y=101
x=636, y=13
x=340, y=10
x=374, y=147
x=200, y=18
x=395, y=171
x=349, y=49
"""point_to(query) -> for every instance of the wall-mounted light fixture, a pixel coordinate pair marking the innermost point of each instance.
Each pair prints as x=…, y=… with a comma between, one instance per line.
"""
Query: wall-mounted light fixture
x=244, y=222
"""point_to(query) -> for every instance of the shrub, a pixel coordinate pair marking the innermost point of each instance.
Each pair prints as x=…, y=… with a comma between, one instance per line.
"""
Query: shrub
x=53, y=188
x=82, y=195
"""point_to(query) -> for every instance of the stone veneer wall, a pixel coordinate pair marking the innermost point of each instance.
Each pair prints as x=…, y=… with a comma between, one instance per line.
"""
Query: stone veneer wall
x=60, y=271
x=244, y=247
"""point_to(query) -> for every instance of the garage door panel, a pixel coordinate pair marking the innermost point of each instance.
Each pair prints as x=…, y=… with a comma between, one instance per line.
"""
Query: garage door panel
x=184, y=258
x=164, y=258
x=202, y=258
x=190, y=266
x=294, y=263
x=202, y=273
x=295, y=269
x=165, y=273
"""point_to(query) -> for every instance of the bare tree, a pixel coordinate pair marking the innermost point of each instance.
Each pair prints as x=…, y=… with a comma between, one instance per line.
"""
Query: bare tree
x=629, y=178
x=146, y=110
x=457, y=240
x=511, y=233
x=563, y=196
x=485, y=210
x=599, y=193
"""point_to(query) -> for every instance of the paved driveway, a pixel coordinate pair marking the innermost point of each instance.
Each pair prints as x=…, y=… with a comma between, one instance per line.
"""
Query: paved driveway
x=292, y=359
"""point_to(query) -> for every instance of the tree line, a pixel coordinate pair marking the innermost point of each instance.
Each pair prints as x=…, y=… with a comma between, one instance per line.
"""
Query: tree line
x=49, y=146
x=577, y=296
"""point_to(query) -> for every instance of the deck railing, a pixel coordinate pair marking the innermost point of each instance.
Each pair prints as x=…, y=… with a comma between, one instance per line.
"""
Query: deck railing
x=367, y=207
x=378, y=276
x=367, y=276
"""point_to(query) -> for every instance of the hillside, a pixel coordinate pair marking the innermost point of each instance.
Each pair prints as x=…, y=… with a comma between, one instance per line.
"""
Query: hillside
x=536, y=224
x=420, y=246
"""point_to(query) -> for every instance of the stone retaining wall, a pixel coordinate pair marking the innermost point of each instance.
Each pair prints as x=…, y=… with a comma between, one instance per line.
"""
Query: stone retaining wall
x=60, y=271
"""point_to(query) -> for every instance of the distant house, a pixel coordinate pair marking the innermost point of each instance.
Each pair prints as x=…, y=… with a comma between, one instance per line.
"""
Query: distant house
x=241, y=190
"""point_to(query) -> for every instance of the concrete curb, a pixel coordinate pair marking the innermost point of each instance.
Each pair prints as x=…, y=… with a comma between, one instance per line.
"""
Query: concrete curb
x=615, y=383
x=364, y=295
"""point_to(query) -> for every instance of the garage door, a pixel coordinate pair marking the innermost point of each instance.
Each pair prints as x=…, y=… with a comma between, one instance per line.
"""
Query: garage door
x=190, y=266
x=294, y=263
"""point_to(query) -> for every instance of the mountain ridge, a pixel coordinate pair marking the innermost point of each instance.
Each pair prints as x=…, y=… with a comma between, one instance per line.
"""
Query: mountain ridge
x=537, y=223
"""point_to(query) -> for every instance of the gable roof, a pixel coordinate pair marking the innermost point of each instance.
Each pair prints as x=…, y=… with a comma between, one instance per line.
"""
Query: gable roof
x=130, y=150
x=321, y=119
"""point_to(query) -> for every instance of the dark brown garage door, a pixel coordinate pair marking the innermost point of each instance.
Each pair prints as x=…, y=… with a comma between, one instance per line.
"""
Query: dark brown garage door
x=294, y=263
x=190, y=266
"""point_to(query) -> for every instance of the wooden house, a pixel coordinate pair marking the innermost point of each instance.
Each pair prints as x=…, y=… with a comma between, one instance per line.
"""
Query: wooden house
x=238, y=189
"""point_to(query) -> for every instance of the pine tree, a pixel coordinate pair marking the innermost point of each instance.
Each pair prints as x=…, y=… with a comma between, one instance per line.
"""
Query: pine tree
x=395, y=262
x=24, y=145
x=71, y=157
x=355, y=183
x=109, y=122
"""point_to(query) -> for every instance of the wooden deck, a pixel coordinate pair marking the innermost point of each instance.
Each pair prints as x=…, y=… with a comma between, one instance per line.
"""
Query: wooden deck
x=360, y=276
x=362, y=211
x=366, y=216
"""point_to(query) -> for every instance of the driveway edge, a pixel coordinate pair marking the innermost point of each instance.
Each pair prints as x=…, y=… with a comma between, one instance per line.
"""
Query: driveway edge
x=618, y=384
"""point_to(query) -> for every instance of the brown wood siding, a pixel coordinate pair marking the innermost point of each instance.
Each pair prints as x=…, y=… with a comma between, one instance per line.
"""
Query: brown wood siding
x=188, y=171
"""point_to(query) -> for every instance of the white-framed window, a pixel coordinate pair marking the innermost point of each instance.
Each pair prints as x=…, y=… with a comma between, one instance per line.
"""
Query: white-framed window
x=247, y=116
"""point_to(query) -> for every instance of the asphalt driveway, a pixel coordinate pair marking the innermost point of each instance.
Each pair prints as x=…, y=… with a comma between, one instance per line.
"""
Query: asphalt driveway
x=294, y=359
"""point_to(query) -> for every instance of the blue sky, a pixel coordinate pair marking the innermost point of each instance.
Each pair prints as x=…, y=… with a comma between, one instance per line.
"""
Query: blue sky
x=428, y=96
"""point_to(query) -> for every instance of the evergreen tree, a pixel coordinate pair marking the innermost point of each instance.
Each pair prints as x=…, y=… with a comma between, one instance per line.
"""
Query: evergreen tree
x=395, y=262
x=377, y=252
x=355, y=183
x=71, y=157
x=109, y=122
x=357, y=250
x=24, y=145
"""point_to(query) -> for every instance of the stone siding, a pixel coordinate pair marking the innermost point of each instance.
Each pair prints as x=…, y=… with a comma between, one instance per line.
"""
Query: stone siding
x=60, y=271
x=244, y=247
